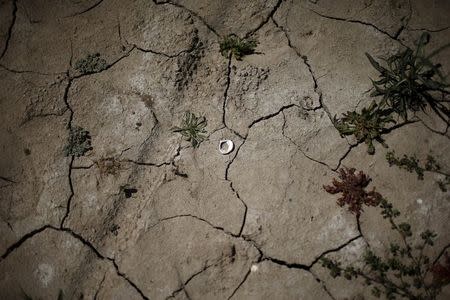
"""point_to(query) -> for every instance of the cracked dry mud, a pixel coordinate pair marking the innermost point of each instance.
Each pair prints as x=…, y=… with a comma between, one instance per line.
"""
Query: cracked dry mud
x=200, y=225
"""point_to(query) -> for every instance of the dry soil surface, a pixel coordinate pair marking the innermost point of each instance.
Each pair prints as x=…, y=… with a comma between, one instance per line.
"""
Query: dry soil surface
x=144, y=215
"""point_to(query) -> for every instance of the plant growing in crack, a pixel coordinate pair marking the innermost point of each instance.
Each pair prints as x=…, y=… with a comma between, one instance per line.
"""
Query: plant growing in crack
x=78, y=143
x=405, y=271
x=92, y=63
x=367, y=126
x=408, y=79
x=25, y=296
x=192, y=128
x=412, y=164
x=236, y=46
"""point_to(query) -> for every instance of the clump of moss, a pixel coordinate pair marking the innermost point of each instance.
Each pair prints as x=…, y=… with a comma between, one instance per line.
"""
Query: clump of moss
x=367, y=126
x=78, y=143
x=236, y=46
x=192, y=128
x=92, y=63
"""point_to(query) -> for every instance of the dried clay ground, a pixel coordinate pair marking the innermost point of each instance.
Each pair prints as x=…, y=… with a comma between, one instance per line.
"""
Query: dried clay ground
x=144, y=215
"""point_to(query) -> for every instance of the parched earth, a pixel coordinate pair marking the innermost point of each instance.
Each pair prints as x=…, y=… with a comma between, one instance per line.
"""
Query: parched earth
x=144, y=214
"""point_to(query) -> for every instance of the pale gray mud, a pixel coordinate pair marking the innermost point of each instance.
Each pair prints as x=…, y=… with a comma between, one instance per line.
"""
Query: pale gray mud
x=143, y=214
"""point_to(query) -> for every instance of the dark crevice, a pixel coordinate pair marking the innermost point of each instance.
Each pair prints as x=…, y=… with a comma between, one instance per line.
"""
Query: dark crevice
x=186, y=282
x=100, y=256
x=310, y=70
x=225, y=93
x=137, y=289
x=83, y=167
x=30, y=118
x=149, y=164
x=317, y=259
x=287, y=264
x=86, y=10
x=22, y=240
x=291, y=265
x=443, y=251
x=266, y=20
x=190, y=11
x=264, y=118
x=10, y=29
x=244, y=217
x=350, y=148
x=225, y=100
x=195, y=45
x=7, y=179
x=323, y=285
x=99, y=287
x=357, y=22
x=197, y=218
x=430, y=30
x=405, y=22
x=127, y=53
x=78, y=237
x=283, y=127
x=443, y=133
x=240, y=284
x=72, y=193
x=30, y=72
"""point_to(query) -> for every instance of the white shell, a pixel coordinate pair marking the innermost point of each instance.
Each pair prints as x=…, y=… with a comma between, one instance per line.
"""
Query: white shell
x=226, y=146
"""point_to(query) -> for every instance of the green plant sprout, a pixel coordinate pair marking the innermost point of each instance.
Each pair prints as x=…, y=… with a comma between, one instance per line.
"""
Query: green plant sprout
x=236, y=46
x=367, y=126
x=408, y=79
x=192, y=128
x=406, y=270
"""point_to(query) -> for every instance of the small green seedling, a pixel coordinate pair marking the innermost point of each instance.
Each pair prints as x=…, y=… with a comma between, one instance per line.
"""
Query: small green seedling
x=408, y=79
x=236, y=46
x=192, y=128
x=93, y=63
x=78, y=143
x=366, y=126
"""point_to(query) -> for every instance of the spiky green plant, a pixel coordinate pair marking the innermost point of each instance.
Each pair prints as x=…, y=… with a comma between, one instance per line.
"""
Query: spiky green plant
x=192, y=128
x=236, y=46
x=408, y=79
x=366, y=126
x=78, y=143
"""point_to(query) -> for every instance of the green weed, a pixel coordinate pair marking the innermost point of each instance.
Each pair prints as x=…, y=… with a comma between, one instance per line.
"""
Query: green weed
x=408, y=79
x=236, y=46
x=192, y=128
x=366, y=126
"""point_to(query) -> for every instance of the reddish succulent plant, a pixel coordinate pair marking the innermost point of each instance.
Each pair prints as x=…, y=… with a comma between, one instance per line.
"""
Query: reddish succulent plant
x=352, y=186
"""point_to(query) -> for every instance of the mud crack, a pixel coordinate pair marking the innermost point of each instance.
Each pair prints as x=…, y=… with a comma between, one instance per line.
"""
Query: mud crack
x=78, y=237
x=10, y=28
